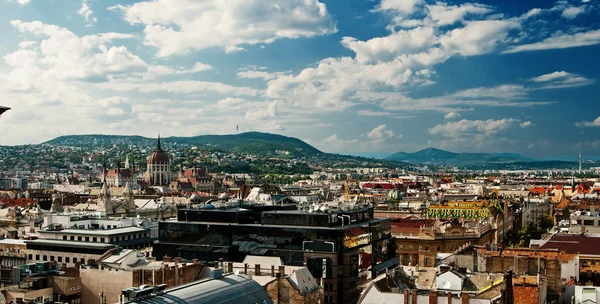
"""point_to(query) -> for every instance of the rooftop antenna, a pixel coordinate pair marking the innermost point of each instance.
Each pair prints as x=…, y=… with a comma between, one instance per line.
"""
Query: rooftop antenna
x=237, y=129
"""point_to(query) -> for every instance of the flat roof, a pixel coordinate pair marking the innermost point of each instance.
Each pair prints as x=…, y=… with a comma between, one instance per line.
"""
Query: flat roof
x=337, y=227
x=101, y=232
x=12, y=242
x=70, y=243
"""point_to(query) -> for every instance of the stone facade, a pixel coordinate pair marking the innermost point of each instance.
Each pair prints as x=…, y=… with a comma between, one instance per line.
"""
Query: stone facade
x=112, y=281
x=282, y=291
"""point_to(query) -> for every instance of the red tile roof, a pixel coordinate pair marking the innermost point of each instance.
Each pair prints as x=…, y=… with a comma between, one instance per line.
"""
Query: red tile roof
x=575, y=244
x=21, y=202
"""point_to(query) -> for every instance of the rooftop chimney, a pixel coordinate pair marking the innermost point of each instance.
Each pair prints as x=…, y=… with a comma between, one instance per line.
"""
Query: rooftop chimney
x=508, y=293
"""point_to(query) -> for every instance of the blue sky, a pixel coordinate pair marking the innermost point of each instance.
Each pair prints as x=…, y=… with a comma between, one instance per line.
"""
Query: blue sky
x=345, y=76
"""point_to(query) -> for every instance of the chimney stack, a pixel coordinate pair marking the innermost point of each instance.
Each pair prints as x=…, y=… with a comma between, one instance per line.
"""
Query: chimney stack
x=508, y=293
x=257, y=269
x=282, y=271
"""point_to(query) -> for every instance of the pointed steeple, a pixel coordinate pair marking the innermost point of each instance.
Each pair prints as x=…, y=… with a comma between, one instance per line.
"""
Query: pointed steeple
x=158, y=145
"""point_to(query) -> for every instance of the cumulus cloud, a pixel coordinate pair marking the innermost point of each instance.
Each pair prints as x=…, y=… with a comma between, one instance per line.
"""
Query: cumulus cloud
x=87, y=13
x=466, y=127
x=594, y=123
x=380, y=132
x=452, y=115
x=444, y=14
x=64, y=55
x=562, y=79
x=400, y=6
x=526, y=124
x=560, y=41
x=176, y=27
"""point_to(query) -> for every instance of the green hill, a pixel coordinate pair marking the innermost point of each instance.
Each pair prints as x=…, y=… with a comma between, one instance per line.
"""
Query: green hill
x=263, y=144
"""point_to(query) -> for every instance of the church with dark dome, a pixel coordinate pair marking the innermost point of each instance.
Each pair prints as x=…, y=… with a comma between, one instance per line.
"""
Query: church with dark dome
x=158, y=168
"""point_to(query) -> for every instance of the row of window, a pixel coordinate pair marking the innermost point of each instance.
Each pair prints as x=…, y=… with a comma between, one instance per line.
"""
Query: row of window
x=58, y=259
x=102, y=240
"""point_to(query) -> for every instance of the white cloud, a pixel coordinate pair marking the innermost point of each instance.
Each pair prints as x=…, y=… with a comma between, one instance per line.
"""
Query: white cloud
x=526, y=124
x=478, y=37
x=532, y=12
x=560, y=41
x=400, y=6
x=562, y=79
x=573, y=11
x=87, y=13
x=64, y=55
x=472, y=127
x=498, y=92
x=452, y=115
x=115, y=112
x=268, y=110
x=594, y=123
x=442, y=14
x=175, y=27
x=27, y=44
x=160, y=70
x=253, y=72
x=182, y=87
x=380, y=132
x=22, y=2
x=390, y=47
x=552, y=76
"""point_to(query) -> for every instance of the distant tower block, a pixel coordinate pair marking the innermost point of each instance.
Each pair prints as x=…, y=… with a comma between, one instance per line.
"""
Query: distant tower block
x=580, y=161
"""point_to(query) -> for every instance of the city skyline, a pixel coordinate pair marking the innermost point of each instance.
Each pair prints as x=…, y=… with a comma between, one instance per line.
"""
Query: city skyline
x=367, y=76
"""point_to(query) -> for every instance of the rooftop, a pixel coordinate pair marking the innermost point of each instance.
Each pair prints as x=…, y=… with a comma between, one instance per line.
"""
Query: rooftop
x=71, y=244
x=100, y=232
x=230, y=288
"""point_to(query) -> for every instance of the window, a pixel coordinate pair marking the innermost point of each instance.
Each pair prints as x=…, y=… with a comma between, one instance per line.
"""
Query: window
x=30, y=256
x=425, y=247
x=60, y=259
x=82, y=261
x=64, y=237
x=72, y=238
x=37, y=257
x=79, y=238
x=45, y=258
x=588, y=223
x=102, y=240
x=66, y=259
x=95, y=239
x=426, y=261
x=74, y=260
x=51, y=258
x=87, y=238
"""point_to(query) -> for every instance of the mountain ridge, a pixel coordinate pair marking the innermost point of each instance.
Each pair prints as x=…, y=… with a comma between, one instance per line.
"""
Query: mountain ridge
x=439, y=156
x=249, y=142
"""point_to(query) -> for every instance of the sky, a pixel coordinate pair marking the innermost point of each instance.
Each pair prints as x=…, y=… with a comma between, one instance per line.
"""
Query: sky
x=345, y=76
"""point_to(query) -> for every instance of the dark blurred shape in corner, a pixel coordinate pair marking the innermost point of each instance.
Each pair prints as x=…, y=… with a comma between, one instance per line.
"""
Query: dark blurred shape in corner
x=3, y=109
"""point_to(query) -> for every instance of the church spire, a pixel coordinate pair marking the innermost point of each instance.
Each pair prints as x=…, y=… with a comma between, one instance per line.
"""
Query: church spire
x=158, y=145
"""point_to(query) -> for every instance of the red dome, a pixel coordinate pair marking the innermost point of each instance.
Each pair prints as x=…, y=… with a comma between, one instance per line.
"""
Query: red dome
x=158, y=157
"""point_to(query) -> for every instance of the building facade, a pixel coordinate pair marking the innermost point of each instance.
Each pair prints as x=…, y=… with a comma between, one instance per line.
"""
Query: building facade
x=158, y=172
